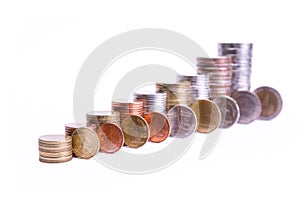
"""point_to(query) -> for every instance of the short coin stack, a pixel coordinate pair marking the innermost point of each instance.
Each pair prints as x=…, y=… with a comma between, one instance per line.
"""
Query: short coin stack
x=152, y=102
x=220, y=74
x=96, y=118
x=55, y=148
x=71, y=127
x=241, y=57
x=126, y=108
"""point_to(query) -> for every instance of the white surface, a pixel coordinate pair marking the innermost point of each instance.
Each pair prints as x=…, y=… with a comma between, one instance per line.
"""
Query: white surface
x=43, y=46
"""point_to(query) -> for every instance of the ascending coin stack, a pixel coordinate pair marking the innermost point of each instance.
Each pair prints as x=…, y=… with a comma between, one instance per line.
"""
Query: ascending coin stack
x=126, y=108
x=152, y=102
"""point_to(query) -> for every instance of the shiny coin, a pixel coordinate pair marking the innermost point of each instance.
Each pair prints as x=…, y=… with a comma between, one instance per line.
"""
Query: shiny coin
x=271, y=102
x=159, y=126
x=111, y=138
x=229, y=109
x=85, y=143
x=136, y=131
x=208, y=115
x=249, y=104
x=71, y=127
x=55, y=155
x=55, y=139
x=55, y=160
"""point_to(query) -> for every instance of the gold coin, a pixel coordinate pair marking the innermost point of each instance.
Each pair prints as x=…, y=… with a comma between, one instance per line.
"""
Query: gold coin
x=208, y=115
x=55, y=160
x=136, y=131
x=85, y=143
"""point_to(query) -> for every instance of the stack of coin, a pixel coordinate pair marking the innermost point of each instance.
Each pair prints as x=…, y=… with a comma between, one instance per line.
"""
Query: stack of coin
x=71, y=127
x=241, y=55
x=127, y=107
x=220, y=74
x=96, y=118
x=152, y=102
x=177, y=93
x=55, y=148
x=199, y=84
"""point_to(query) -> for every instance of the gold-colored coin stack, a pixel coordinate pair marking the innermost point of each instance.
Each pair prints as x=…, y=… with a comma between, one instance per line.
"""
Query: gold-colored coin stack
x=177, y=93
x=97, y=118
x=55, y=148
x=126, y=108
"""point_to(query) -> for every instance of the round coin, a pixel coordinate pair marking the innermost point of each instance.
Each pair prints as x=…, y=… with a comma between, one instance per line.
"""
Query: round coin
x=271, y=102
x=111, y=138
x=55, y=139
x=55, y=160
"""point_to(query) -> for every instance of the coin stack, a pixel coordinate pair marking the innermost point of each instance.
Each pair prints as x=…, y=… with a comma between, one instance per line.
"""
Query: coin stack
x=126, y=108
x=152, y=102
x=220, y=74
x=200, y=89
x=71, y=127
x=96, y=118
x=177, y=93
x=241, y=56
x=55, y=148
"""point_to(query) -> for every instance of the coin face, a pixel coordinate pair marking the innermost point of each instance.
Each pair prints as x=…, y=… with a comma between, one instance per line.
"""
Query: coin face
x=208, y=115
x=136, y=131
x=85, y=143
x=111, y=137
x=230, y=111
x=250, y=107
x=271, y=102
x=183, y=121
x=159, y=126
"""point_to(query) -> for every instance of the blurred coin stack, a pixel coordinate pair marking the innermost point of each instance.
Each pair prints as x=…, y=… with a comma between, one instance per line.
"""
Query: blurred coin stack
x=200, y=89
x=97, y=118
x=55, y=148
x=127, y=107
x=71, y=127
x=152, y=102
x=177, y=93
x=219, y=70
x=241, y=56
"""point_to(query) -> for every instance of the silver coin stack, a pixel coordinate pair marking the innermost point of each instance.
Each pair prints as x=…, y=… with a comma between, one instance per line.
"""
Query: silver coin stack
x=219, y=70
x=152, y=102
x=241, y=57
x=199, y=84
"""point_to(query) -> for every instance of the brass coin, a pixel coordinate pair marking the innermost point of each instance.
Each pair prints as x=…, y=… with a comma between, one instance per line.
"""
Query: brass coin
x=136, y=131
x=208, y=115
x=85, y=143
x=271, y=102
x=55, y=160
x=55, y=139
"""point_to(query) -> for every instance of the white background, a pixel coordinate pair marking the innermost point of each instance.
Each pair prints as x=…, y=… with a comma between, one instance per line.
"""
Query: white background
x=42, y=47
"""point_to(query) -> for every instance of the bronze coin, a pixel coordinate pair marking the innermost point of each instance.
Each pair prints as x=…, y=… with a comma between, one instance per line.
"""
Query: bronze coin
x=250, y=107
x=208, y=115
x=271, y=102
x=111, y=137
x=159, y=126
x=136, y=131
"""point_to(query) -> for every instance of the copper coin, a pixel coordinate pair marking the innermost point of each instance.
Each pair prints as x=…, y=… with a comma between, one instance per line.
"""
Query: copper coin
x=271, y=102
x=250, y=107
x=208, y=115
x=111, y=137
x=230, y=111
x=159, y=126
x=136, y=131
x=183, y=121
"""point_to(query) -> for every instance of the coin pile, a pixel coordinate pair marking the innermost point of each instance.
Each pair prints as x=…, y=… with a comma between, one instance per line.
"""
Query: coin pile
x=96, y=118
x=71, y=127
x=177, y=93
x=126, y=108
x=200, y=88
x=55, y=148
x=220, y=74
x=152, y=102
x=241, y=56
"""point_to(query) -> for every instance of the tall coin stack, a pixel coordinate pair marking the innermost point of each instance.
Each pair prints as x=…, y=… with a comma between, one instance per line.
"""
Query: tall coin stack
x=200, y=88
x=126, y=108
x=219, y=70
x=97, y=118
x=241, y=56
x=177, y=93
x=152, y=102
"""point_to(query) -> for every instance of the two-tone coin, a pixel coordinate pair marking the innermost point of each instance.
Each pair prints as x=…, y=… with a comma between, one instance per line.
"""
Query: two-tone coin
x=111, y=137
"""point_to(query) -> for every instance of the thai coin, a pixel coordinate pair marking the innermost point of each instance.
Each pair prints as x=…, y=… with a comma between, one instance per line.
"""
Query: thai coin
x=111, y=138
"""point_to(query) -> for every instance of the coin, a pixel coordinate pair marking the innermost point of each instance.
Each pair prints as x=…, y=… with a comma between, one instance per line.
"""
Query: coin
x=271, y=102
x=55, y=139
x=136, y=131
x=152, y=102
x=128, y=107
x=56, y=154
x=85, y=143
x=55, y=160
x=111, y=137
x=71, y=127
x=249, y=104
x=159, y=126
x=208, y=115
x=230, y=111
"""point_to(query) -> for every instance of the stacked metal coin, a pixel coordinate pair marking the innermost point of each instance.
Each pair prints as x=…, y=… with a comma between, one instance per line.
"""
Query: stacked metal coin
x=199, y=84
x=96, y=118
x=220, y=74
x=177, y=93
x=241, y=56
x=152, y=102
x=71, y=127
x=126, y=108
x=55, y=148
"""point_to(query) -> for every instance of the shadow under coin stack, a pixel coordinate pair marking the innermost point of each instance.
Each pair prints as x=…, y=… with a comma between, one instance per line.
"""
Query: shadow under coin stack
x=152, y=102
x=241, y=56
x=127, y=108
x=96, y=118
